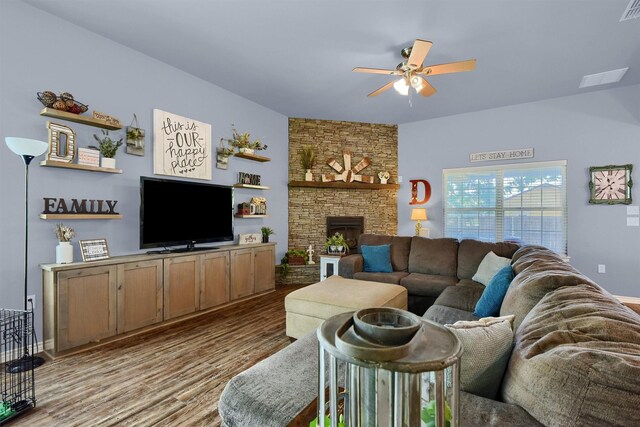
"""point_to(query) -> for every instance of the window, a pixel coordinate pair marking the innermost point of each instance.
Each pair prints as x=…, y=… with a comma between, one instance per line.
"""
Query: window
x=525, y=203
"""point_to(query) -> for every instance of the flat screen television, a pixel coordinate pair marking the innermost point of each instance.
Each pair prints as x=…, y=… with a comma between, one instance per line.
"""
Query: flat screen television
x=174, y=213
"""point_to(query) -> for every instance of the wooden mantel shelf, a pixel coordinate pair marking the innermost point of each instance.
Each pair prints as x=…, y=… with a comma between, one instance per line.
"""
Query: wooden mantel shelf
x=344, y=185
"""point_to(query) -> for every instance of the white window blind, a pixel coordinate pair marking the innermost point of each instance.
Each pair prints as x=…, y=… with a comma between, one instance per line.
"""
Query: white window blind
x=526, y=203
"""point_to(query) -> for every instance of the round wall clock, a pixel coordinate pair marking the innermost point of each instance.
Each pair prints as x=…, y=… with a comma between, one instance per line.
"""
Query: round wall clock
x=610, y=184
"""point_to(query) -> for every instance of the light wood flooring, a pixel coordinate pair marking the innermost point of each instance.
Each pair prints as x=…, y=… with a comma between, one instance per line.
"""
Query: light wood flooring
x=169, y=377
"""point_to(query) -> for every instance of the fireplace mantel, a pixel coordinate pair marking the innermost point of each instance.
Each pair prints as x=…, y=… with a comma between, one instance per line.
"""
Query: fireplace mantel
x=344, y=185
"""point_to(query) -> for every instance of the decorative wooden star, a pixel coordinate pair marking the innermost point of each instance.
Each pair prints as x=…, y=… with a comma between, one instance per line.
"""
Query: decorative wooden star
x=347, y=173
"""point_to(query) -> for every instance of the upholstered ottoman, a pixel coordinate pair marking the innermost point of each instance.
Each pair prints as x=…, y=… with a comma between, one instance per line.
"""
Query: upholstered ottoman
x=308, y=307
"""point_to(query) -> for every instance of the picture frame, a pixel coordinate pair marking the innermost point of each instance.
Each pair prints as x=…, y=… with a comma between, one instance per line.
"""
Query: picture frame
x=610, y=184
x=94, y=250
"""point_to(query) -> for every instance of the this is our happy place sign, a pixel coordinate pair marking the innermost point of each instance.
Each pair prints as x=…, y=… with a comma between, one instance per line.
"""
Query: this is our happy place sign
x=181, y=146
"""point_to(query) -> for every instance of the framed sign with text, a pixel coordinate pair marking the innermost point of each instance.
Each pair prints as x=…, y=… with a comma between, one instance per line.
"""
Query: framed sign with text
x=181, y=146
x=94, y=250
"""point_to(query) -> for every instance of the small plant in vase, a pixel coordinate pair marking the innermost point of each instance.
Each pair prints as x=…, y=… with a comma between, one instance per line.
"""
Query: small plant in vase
x=242, y=141
x=108, y=148
x=64, y=250
x=336, y=245
x=266, y=232
x=308, y=160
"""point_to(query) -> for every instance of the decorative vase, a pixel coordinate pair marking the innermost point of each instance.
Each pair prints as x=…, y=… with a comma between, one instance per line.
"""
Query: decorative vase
x=246, y=150
x=64, y=253
x=265, y=238
x=308, y=176
x=340, y=249
x=107, y=162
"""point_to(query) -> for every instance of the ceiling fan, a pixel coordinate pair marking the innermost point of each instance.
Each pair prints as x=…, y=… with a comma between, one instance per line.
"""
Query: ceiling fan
x=412, y=70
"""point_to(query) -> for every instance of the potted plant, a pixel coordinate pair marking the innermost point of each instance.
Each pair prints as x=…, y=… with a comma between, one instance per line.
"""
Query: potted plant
x=266, y=232
x=336, y=244
x=64, y=250
x=308, y=160
x=108, y=148
x=242, y=141
x=292, y=257
x=135, y=138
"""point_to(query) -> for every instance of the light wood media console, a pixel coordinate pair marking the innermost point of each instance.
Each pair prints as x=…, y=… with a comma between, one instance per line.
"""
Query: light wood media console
x=87, y=303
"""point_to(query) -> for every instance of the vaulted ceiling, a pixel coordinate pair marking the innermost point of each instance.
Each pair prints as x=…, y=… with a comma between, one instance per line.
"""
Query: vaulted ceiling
x=296, y=56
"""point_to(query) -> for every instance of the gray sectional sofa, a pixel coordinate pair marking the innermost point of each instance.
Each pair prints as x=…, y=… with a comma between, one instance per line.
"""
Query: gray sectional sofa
x=575, y=360
x=426, y=267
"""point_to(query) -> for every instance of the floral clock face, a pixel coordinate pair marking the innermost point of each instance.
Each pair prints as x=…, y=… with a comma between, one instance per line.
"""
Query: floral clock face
x=610, y=184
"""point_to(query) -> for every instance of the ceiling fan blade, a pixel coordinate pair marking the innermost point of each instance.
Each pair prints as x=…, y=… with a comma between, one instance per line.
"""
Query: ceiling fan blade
x=427, y=89
x=382, y=89
x=451, y=67
x=376, y=71
x=419, y=51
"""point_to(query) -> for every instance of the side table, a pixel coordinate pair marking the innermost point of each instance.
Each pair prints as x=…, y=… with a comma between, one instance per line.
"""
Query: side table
x=328, y=265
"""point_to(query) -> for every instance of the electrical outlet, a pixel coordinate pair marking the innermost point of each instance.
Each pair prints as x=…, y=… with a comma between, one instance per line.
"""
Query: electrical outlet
x=602, y=269
x=31, y=298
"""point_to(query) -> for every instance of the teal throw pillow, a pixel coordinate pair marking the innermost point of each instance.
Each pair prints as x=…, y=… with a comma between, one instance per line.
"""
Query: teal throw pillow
x=491, y=299
x=377, y=259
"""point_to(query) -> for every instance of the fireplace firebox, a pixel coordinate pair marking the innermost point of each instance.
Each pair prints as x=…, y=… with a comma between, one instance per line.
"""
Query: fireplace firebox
x=351, y=227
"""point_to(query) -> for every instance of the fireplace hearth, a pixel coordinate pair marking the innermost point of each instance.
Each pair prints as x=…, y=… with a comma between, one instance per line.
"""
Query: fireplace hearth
x=351, y=227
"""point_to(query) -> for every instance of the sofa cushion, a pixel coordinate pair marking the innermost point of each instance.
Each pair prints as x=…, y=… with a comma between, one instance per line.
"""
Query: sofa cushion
x=248, y=399
x=490, y=265
x=461, y=297
x=576, y=360
x=538, y=271
x=472, y=283
x=487, y=346
x=491, y=299
x=393, y=278
x=444, y=315
x=471, y=253
x=476, y=411
x=400, y=247
x=377, y=259
x=430, y=285
x=433, y=256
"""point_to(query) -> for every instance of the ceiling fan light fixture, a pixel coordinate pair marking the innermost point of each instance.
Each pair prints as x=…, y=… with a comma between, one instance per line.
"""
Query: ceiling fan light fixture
x=401, y=87
x=416, y=83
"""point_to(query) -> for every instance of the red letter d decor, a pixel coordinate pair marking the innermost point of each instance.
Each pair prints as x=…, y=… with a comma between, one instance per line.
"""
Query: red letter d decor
x=414, y=191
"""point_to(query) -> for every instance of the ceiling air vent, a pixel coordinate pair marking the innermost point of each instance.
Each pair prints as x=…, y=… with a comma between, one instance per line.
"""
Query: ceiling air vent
x=632, y=11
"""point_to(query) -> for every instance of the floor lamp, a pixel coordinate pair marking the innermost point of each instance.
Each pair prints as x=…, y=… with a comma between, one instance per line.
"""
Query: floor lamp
x=27, y=149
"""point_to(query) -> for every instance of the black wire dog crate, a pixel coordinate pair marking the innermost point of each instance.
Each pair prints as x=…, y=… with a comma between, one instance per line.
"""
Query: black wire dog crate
x=17, y=384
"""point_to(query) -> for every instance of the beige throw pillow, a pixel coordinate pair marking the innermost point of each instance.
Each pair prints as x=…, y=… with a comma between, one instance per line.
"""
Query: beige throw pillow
x=490, y=265
x=487, y=345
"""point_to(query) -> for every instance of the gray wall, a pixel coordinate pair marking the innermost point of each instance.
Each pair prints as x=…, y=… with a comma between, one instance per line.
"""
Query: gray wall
x=41, y=52
x=592, y=129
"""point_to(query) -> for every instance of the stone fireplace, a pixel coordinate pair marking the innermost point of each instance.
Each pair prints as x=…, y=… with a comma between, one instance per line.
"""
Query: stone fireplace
x=351, y=227
x=311, y=206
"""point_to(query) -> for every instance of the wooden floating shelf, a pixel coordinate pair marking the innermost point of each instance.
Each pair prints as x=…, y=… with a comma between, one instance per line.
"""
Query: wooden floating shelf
x=253, y=157
x=77, y=118
x=80, y=216
x=256, y=187
x=56, y=164
x=344, y=185
x=251, y=216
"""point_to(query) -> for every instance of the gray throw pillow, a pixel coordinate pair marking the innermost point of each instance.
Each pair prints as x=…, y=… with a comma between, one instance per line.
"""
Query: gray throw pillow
x=487, y=345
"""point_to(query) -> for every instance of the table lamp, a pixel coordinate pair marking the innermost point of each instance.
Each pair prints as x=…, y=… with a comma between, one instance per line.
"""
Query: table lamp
x=419, y=214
